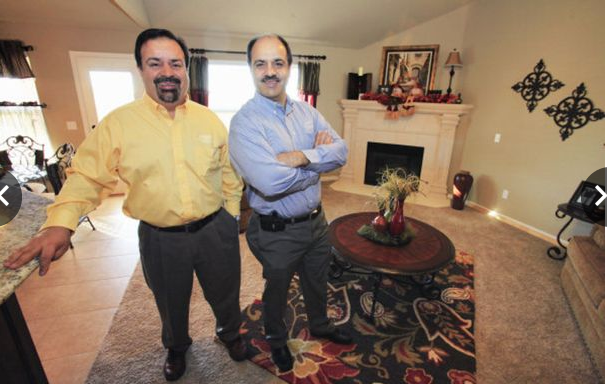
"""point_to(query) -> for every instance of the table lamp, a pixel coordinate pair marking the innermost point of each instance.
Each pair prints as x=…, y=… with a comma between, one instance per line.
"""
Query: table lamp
x=453, y=61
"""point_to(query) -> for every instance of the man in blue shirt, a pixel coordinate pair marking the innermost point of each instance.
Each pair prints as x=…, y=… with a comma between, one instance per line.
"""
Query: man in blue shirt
x=280, y=147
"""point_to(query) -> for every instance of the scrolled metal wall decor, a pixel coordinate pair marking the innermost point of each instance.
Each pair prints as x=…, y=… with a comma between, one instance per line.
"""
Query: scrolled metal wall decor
x=574, y=112
x=537, y=85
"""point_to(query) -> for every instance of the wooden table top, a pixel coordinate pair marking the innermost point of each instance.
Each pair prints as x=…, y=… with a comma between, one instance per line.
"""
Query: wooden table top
x=428, y=252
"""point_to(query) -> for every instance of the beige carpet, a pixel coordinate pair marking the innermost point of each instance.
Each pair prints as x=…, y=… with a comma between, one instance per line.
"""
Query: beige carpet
x=524, y=330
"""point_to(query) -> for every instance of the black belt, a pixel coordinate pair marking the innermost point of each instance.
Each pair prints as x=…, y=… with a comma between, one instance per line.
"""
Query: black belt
x=193, y=226
x=294, y=220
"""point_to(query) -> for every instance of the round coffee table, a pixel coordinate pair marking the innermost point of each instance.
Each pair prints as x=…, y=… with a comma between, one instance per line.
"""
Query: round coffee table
x=429, y=251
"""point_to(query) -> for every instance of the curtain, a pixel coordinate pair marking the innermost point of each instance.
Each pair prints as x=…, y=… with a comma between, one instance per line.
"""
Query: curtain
x=24, y=121
x=309, y=75
x=13, y=62
x=199, y=79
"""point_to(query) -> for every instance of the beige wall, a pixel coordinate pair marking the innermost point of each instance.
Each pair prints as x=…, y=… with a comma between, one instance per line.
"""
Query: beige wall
x=54, y=79
x=503, y=41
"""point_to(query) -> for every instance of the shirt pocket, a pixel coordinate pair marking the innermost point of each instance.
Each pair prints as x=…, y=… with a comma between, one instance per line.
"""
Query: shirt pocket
x=207, y=158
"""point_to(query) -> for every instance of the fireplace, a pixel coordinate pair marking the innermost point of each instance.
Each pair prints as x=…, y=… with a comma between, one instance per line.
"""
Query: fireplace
x=380, y=156
x=429, y=134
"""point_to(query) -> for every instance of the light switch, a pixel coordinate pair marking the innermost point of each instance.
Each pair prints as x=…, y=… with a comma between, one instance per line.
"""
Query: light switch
x=505, y=194
x=497, y=138
x=72, y=126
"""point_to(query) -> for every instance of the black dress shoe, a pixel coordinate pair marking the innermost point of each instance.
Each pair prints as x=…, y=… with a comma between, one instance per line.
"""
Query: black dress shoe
x=237, y=349
x=336, y=335
x=282, y=358
x=174, y=365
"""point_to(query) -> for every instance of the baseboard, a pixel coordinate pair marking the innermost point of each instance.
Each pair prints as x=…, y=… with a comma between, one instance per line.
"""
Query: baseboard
x=517, y=224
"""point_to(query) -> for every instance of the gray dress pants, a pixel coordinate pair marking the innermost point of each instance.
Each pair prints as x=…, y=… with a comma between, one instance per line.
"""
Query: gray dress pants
x=303, y=248
x=169, y=261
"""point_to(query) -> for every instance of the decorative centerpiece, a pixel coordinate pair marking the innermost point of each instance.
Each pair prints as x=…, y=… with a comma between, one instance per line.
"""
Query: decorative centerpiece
x=389, y=226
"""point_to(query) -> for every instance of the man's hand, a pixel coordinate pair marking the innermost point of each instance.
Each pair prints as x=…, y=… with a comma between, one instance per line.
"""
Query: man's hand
x=296, y=159
x=50, y=244
x=323, y=137
x=293, y=159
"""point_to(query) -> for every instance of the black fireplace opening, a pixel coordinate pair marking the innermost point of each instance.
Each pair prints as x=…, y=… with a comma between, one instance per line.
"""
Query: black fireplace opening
x=380, y=156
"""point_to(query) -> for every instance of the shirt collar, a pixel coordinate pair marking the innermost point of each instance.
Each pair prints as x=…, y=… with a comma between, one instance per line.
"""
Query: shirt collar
x=273, y=105
x=154, y=105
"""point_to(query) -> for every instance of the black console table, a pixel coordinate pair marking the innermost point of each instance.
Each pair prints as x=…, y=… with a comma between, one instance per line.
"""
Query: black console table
x=563, y=210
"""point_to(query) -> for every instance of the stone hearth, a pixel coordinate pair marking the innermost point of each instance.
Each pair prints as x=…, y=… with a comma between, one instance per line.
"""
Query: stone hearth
x=431, y=127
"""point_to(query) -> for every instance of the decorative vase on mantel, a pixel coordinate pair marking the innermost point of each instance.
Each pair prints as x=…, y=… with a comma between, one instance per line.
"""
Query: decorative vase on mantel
x=397, y=223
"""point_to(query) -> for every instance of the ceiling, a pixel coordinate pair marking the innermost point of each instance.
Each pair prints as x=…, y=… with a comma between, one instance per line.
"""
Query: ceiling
x=340, y=23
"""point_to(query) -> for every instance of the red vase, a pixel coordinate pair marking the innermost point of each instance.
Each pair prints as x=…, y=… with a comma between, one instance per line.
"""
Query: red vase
x=397, y=224
x=462, y=183
x=379, y=223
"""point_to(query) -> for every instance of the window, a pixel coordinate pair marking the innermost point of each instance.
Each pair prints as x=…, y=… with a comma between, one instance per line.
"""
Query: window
x=231, y=85
x=111, y=89
x=20, y=120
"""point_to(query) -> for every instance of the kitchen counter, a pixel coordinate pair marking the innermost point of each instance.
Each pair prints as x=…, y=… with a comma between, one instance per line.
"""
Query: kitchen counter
x=30, y=218
x=20, y=360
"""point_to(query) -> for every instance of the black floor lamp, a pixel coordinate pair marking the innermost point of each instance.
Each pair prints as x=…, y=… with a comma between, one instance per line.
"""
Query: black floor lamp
x=453, y=61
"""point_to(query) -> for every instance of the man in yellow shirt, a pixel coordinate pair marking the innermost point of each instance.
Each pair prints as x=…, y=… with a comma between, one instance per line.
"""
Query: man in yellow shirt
x=172, y=154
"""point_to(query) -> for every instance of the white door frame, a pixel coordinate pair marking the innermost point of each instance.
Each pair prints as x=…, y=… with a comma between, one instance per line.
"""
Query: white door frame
x=82, y=63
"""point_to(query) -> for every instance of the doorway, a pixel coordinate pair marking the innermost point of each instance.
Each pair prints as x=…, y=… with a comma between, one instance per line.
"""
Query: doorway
x=104, y=81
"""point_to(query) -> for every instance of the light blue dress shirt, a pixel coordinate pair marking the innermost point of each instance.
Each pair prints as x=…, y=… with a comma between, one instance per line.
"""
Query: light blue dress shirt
x=260, y=131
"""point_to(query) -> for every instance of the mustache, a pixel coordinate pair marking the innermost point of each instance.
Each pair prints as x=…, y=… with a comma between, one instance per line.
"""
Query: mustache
x=163, y=79
x=270, y=78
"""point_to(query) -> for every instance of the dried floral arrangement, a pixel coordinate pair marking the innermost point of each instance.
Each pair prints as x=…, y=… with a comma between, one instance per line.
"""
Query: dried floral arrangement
x=389, y=227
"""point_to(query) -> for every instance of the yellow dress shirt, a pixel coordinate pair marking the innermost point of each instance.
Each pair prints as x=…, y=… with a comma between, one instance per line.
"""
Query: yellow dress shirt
x=176, y=170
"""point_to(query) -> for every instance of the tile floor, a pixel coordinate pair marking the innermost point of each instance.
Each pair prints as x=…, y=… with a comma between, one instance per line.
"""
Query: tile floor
x=69, y=311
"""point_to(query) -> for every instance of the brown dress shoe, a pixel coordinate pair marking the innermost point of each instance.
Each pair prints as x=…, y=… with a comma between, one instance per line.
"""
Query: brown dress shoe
x=174, y=365
x=237, y=349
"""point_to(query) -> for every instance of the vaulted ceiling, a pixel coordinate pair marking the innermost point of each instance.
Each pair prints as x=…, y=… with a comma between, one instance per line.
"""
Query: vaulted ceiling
x=341, y=23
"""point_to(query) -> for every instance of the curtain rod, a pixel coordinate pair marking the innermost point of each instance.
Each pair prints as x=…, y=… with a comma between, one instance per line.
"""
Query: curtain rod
x=202, y=51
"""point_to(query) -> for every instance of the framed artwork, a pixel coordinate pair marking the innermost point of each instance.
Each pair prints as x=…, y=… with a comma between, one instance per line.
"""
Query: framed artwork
x=410, y=66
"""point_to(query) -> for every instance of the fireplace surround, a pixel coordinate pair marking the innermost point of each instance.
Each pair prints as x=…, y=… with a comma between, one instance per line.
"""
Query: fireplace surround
x=432, y=128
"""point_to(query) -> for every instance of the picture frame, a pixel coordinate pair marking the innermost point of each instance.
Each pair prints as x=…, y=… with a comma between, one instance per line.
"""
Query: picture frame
x=585, y=196
x=410, y=66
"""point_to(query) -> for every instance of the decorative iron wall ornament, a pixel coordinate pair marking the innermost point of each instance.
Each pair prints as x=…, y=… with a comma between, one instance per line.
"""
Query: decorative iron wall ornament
x=537, y=85
x=574, y=112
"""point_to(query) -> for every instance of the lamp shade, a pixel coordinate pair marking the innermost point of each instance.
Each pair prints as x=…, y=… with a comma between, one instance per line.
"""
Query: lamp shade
x=454, y=60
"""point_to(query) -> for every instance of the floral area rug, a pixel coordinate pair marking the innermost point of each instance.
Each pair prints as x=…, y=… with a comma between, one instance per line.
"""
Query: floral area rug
x=413, y=339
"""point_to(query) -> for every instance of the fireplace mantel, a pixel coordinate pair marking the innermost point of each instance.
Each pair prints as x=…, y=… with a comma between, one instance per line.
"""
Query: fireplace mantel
x=432, y=127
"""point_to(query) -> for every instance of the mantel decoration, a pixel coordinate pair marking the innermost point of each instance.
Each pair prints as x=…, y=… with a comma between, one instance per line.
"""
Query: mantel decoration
x=537, y=85
x=389, y=226
x=398, y=104
x=574, y=112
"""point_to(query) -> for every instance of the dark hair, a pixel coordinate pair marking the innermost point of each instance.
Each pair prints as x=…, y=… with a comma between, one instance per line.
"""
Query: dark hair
x=282, y=40
x=155, y=33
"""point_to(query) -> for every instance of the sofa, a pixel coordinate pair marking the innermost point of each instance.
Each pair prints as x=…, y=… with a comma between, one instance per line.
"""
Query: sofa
x=583, y=281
